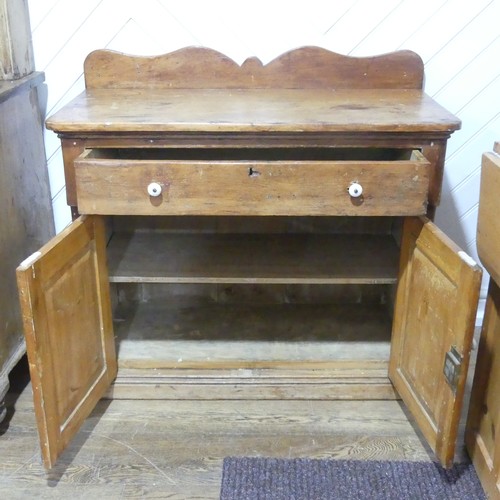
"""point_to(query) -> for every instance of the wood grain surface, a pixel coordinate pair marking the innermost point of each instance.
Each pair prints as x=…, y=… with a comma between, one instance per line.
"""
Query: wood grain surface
x=166, y=449
x=163, y=257
x=113, y=186
x=488, y=225
x=253, y=110
x=66, y=313
x=483, y=424
x=26, y=219
x=435, y=310
x=167, y=333
x=306, y=67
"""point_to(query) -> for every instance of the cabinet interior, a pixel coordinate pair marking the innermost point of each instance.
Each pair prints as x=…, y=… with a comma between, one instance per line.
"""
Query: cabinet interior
x=246, y=292
x=228, y=153
x=253, y=240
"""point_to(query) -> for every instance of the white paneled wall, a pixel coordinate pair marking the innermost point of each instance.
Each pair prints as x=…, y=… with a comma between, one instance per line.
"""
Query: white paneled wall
x=459, y=41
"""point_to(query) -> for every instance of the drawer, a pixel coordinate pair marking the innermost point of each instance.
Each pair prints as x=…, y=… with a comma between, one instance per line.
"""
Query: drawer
x=273, y=182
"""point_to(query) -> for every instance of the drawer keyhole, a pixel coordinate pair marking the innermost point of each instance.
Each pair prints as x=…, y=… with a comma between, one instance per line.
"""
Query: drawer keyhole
x=253, y=173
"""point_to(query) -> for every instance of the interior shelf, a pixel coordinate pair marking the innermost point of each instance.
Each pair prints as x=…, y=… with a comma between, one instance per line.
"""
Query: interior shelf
x=176, y=333
x=166, y=257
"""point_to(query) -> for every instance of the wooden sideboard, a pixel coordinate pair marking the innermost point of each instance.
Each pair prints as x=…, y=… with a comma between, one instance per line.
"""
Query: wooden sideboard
x=482, y=434
x=240, y=236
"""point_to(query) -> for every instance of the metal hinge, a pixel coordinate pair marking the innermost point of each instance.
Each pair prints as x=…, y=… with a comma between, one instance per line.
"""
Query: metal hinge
x=452, y=367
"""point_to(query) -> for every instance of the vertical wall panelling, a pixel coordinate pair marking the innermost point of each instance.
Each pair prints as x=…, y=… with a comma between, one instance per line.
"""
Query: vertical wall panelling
x=458, y=40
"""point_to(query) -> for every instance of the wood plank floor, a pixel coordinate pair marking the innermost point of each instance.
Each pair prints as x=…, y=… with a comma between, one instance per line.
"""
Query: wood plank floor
x=174, y=449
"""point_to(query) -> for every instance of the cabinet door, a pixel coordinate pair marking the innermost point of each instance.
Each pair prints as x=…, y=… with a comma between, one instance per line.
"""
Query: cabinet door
x=66, y=311
x=432, y=334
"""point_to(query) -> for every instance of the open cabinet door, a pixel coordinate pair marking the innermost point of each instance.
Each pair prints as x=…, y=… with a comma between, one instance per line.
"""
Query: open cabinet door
x=433, y=326
x=65, y=304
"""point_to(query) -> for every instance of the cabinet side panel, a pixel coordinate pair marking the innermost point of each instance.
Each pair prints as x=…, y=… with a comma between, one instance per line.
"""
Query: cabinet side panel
x=483, y=422
x=488, y=224
x=25, y=209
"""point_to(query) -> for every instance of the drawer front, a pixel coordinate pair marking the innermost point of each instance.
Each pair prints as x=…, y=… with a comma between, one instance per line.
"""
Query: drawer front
x=163, y=187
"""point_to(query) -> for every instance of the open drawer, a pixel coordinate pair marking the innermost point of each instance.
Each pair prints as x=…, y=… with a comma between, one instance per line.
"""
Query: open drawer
x=272, y=181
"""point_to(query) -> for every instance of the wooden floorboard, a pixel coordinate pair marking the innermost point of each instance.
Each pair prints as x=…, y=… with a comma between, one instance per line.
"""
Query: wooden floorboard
x=174, y=449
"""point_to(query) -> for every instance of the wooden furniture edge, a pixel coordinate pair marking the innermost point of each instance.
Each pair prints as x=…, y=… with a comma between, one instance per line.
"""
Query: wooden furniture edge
x=433, y=144
x=304, y=67
x=9, y=88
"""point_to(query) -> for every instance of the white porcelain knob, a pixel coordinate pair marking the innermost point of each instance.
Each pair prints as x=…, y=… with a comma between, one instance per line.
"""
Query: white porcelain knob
x=154, y=189
x=355, y=190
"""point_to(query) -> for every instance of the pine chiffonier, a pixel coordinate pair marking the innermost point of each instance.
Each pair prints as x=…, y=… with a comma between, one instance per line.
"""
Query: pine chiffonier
x=250, y=231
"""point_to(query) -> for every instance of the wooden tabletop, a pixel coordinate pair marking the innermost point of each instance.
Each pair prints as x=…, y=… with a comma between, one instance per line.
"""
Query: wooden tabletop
x=253, y=110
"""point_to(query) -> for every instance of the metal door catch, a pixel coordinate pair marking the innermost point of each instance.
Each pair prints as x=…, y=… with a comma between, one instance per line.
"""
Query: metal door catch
x=452, y=367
